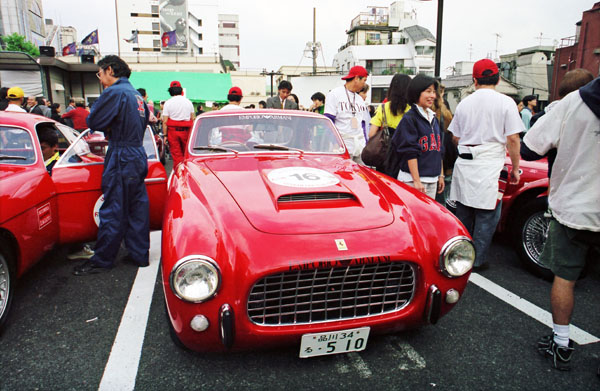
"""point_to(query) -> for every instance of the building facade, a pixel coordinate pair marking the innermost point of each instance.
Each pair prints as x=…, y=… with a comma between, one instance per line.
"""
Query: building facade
x=386, y=41
x=530, y=69
x=192, y=23
x=229, y=38
x=24, y=17
x=59, y=36
x=579, y=51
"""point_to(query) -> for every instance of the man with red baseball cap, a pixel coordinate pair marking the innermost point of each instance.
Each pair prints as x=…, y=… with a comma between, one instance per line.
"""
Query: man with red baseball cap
x=485, y=123
x=235, y=99
x=348, y=111
x=178, y=118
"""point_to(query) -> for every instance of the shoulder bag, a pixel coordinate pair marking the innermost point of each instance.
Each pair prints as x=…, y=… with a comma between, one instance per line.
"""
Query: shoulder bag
x=375, y=152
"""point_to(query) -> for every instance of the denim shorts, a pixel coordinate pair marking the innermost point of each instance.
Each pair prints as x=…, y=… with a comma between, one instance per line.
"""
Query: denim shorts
x=566, y=250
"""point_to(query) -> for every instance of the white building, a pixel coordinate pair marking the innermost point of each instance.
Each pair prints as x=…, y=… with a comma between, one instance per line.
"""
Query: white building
x=195, y=23
x=24, y=17
x=530, y=69
x=229, y=38
x=386, y=41
x=59, y=36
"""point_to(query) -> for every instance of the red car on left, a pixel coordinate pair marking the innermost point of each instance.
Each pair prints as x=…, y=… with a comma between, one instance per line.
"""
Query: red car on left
x=39, y=211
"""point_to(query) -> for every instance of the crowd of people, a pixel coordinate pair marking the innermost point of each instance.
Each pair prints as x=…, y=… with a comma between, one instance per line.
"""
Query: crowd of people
x=457, y=157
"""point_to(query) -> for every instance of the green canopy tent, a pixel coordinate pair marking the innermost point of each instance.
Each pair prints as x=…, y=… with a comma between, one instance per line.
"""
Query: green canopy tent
x=197, y=87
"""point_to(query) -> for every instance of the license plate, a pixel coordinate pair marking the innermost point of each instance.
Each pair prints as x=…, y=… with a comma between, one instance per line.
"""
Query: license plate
x=320, y=344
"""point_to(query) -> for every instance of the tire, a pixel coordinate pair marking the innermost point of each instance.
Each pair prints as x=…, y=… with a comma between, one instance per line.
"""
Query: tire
x=530, y=230
x=7, y=282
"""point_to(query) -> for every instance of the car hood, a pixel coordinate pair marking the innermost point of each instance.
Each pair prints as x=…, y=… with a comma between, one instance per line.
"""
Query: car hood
x=303, y=195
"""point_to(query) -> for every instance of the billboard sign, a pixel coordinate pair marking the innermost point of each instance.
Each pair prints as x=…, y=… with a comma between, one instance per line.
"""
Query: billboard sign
x=173, y=25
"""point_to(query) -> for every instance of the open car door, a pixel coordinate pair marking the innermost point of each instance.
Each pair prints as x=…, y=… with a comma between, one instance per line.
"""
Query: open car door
x=78, y=176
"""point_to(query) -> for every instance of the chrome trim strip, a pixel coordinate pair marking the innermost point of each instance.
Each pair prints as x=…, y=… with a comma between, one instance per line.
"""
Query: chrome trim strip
x=153, y=180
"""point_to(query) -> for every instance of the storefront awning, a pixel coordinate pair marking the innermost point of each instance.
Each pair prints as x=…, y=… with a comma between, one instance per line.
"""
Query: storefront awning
x=197, y=87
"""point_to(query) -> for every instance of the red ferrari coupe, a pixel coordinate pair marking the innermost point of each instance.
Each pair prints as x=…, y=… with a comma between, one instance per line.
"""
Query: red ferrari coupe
x=39, y=211
x=273, y=235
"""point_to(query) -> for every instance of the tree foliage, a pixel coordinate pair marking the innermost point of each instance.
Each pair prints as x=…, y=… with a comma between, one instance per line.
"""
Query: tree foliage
x=17, y=43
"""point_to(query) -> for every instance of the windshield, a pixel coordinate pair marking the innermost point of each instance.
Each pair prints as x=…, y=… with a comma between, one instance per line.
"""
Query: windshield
x=260, y=133
x=91, y=148
x=16, y=146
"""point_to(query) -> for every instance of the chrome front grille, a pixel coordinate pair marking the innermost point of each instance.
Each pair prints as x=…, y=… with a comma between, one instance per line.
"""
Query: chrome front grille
x=330, y=294
x=316, y=197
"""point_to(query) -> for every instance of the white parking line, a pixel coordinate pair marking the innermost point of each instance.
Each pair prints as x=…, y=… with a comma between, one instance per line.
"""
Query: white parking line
x=122, y=366
x=578, y=335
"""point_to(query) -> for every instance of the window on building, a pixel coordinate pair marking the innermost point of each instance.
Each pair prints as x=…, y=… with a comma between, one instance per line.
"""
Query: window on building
x=155, y=26
x=156, y=43
x=200, y=36
x=200, y=51
x=402, y=41
x=378, y=94
x=199, y=22
x=424, y=50
x=373, y=36
x=154, y=9
x=229, y=25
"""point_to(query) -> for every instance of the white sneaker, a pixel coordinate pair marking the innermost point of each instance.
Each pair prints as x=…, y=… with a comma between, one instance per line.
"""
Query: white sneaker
x=85, y=253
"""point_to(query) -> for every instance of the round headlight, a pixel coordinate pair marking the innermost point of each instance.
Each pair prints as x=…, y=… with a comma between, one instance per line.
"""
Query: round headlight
x=457, y=257
x=195, y=279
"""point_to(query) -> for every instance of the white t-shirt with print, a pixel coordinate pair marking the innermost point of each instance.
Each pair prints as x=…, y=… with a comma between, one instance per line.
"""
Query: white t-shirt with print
x=178, y=108
x=345, y=105
x=486, y=116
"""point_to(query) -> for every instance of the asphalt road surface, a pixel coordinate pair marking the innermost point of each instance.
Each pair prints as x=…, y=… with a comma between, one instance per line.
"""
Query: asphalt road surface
x=109, y=332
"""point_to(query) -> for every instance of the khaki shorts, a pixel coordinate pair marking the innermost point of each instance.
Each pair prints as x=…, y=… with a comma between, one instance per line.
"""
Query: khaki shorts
x=566, y=250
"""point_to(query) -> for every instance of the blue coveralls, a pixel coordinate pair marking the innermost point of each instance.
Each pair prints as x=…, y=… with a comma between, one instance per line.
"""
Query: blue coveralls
x=120, y=112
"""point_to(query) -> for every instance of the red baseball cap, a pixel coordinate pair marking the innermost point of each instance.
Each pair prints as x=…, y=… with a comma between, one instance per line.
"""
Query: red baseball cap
x=236, y=91
x=356, y=70
x=175, y=83
x=482, y=66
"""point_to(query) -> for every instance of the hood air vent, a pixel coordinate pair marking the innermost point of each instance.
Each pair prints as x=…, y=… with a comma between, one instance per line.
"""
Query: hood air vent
x=316, y=197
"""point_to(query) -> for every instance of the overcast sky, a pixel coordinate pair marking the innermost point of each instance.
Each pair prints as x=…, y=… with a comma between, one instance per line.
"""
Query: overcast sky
x=275, y=33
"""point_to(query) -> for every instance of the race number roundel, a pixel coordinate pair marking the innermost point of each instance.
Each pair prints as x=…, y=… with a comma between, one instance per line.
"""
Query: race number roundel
x=96, y=210
x=302, y=177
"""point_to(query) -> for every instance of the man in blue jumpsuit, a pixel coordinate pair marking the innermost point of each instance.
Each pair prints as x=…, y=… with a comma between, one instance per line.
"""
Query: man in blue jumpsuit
x=120, y=112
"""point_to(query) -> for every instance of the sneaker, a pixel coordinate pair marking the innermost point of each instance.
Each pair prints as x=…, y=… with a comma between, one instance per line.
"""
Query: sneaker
x=85, y=253
x=561, y=355
x=89, y=267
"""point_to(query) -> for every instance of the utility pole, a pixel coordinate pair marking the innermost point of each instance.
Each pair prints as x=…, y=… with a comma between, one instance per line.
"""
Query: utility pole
x=272, y=73
x=498, y=36
x=118, y=39
x=314, y=48
x=438, y=38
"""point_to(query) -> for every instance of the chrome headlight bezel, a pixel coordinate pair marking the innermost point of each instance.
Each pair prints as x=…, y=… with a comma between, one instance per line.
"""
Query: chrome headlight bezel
x=449, y=246
x=202, y=261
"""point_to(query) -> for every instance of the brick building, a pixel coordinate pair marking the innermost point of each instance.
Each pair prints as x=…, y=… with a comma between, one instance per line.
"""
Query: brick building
x=579, y=51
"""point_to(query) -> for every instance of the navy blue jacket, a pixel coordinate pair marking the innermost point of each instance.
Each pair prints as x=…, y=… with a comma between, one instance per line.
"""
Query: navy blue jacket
x=416, y=138
x=120, y=112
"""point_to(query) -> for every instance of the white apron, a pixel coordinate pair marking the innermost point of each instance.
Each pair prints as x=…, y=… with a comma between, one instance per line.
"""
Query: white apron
x=475, y=182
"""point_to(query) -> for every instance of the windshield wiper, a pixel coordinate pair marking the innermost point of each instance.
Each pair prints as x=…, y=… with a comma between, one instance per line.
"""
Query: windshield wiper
x=214, y=148
x=276, y=147
x=8, y=157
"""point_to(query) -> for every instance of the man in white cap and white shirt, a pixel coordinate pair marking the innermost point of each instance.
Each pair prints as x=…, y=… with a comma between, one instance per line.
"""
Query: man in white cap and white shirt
x=349, y=112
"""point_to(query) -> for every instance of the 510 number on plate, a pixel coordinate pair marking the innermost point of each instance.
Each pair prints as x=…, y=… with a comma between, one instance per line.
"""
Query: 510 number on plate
x=320, y=344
